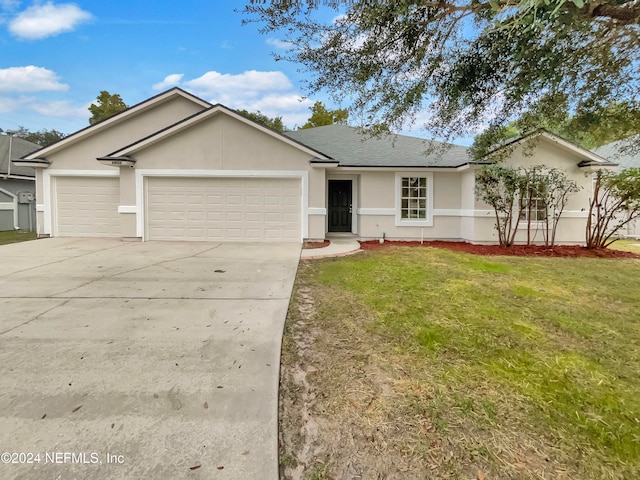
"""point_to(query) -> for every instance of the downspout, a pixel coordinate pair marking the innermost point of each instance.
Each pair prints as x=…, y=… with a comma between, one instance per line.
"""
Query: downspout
x=16, y=226
x=10, y=134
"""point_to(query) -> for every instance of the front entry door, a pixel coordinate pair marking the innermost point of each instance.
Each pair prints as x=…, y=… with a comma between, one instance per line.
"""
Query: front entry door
x=339, y=206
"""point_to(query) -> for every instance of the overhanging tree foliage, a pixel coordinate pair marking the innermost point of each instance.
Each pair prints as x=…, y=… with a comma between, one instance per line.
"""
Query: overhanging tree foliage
x=467, y=63
x=616, y=121
x=615, y=203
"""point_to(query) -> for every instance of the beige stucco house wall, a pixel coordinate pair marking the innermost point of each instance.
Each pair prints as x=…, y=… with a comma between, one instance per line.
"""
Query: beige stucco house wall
x=175, y=167
x=174, y=136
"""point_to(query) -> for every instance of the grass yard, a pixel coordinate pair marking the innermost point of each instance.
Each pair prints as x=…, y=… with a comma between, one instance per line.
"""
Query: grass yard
x=426, y=363
x=13, y=236
x=632, y=246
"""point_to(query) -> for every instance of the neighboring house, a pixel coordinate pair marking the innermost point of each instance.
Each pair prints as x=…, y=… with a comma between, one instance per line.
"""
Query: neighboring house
x=614, y=152
x=17, y=186
x=175, y=167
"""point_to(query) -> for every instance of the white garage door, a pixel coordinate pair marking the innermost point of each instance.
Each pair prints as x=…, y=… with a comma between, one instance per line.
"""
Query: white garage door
x=87, y=207
x=217, y=209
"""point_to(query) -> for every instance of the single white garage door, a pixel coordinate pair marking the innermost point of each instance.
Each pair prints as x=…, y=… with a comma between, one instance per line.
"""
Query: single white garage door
x=222, y=208
x=87, y=207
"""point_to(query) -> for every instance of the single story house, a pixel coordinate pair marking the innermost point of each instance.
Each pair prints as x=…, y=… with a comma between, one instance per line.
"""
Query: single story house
x=175, y=167
x=17, y=186
x=615, y=153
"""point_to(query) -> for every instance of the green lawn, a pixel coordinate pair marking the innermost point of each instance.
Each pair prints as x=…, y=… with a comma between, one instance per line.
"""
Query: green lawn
x=521, y=367
x=627, y=245
x=13, y=236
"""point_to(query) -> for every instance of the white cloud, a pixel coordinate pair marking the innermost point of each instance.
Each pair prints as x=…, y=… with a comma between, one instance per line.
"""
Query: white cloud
x=45, y=20
x=29, y=79
x=47, y=108
x=293, y=109
x=269, y=92
x=227, y=88
x=169, y=81
x=280, y=44
x=8, y=104
x=60, y=108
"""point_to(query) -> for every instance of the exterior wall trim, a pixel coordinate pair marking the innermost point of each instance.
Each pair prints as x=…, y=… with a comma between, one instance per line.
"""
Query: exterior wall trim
x=377, y=211
x=127, y=209
x=317, y=211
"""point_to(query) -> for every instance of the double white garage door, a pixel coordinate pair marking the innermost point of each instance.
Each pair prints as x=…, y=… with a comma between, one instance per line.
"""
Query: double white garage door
x=185, y=208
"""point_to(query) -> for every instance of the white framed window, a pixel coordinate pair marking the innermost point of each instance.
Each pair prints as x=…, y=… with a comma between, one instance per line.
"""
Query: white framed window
x=536, y=209
x=414, y=199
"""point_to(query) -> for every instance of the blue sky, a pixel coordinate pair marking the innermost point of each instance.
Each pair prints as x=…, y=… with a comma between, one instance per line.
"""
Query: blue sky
x=57, y=57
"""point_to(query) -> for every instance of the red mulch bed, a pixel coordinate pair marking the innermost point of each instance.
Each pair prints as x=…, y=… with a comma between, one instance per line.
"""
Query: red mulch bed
x=514, y=250
x=310, y=245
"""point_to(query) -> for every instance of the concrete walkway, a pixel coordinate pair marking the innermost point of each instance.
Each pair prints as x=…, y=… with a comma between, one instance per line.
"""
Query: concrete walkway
x=143, y=360
x=337, y=248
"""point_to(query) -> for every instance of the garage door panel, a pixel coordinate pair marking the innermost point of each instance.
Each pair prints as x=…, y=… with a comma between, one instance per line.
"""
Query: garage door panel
x=87, y=206
x=217, y=209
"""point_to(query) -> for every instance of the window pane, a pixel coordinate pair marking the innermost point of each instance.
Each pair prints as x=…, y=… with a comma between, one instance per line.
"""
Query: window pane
x=414, y=198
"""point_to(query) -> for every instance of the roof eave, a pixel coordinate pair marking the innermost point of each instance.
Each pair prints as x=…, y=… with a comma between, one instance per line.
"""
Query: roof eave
x=33, y=163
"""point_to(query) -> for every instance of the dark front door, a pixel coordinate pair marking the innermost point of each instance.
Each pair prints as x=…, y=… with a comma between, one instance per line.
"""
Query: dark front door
x=339, y=205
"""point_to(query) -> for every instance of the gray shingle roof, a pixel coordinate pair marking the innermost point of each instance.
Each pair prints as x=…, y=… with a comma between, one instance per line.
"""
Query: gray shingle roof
x=19, y=148
x=611, y=151
x=353, y=149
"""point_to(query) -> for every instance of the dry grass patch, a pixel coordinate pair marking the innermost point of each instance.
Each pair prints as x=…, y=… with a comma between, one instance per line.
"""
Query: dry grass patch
x=424, y=363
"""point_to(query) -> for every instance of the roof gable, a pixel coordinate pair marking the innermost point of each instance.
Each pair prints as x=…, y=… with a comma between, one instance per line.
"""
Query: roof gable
x=588, y=158
x=199, y=117
x=123, y=116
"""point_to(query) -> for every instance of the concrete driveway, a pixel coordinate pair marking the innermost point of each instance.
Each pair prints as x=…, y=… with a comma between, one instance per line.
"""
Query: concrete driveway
x=141, y=360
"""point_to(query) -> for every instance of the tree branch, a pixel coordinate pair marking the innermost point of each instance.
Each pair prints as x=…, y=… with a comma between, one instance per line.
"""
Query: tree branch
x=627, y=14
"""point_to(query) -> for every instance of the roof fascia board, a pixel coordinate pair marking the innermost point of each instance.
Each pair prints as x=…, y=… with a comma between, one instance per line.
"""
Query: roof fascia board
x=17, y=177
x=396, y=169
x=119, y=117
x=575, y=148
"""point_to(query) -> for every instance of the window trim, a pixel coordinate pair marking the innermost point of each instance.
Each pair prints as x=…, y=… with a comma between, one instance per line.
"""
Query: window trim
x=412, y=222
x=525, y=214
